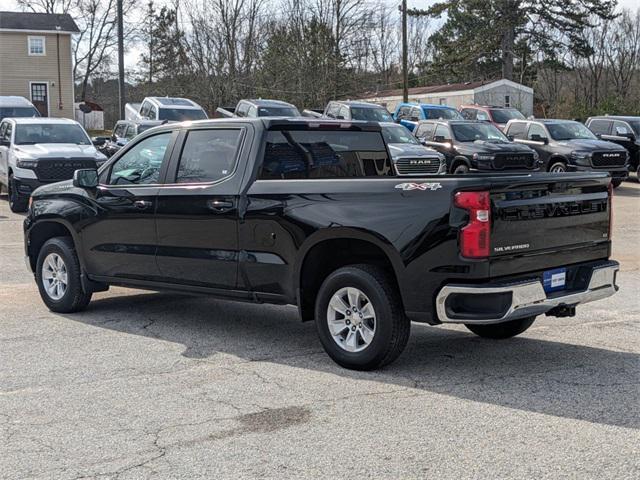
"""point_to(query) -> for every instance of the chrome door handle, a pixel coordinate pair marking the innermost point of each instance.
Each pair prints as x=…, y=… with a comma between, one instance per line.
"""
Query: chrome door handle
x=219, y=206
x=141, y=204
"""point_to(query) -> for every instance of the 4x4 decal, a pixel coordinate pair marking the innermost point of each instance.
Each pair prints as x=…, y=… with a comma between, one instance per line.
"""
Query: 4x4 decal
x=419, y=186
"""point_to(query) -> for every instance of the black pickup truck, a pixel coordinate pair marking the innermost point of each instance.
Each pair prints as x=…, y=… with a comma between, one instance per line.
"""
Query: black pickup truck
x=310, y=213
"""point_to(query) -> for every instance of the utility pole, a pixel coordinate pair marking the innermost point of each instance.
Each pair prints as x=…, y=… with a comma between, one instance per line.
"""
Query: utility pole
x=121, y=92
x=405, y=76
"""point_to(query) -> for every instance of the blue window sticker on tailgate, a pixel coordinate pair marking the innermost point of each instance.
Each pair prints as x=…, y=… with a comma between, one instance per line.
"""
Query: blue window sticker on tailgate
x=553, y=280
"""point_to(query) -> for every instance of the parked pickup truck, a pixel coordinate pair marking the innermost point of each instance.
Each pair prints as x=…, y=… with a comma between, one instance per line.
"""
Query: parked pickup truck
x=35, y=151
x=169, y=109
x=352, y=110
x=295, y=211
x=258, y=108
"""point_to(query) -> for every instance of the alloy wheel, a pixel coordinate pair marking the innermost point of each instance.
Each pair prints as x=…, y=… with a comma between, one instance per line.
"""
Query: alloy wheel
x=351, y=319
x=54, y=276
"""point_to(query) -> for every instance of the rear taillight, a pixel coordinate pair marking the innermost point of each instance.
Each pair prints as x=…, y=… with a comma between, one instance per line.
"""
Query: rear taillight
x=475, y=236
x=610, y=209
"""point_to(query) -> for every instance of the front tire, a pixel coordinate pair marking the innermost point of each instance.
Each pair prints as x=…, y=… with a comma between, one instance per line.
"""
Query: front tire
x=18, y=203
x=461, y=169
x=372, y=334
x=58, y=277
x=499, y=331
x=558, y=166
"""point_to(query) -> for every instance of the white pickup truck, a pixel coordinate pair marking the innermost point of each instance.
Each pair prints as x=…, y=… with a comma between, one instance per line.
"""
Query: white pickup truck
x=38, y=151
x=170, y=109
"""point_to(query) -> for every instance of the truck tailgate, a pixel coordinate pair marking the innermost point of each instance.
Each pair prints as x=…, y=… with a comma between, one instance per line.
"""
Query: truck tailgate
x=564, y=215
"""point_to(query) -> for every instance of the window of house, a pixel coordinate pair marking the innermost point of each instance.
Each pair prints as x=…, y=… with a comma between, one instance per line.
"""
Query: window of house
x=208, y=155
x=37, y=46
x=443, y=101
x=507, y=100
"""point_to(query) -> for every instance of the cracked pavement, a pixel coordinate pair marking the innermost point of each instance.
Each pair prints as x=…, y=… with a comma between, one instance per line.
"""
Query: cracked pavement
x=150, y=385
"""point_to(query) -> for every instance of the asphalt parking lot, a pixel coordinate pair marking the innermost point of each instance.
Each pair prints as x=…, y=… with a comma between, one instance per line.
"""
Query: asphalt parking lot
x=150, y=385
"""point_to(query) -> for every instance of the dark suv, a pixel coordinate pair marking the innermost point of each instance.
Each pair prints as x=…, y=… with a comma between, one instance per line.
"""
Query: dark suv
x=569, y=146
x=475, y=146
x=624, y=131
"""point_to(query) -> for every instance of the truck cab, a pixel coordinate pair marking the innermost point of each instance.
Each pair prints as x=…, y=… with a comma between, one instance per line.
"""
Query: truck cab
x=170, y=109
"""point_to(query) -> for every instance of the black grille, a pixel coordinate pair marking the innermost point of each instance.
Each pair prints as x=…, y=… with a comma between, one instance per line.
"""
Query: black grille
x=513, y=160
x=608, y=159
x=417, y=166
x=53, y=169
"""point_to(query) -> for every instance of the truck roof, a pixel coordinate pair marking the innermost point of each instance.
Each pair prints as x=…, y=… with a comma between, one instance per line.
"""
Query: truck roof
x=282, y=122
x=14, y=101
x=356, y=103
x=43, y=120
x=174, y=102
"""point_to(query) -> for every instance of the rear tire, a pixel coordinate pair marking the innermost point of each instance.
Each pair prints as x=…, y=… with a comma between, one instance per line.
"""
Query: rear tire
x=373, y=334
x=57, y=260
x=18, y=203
x=499, y=331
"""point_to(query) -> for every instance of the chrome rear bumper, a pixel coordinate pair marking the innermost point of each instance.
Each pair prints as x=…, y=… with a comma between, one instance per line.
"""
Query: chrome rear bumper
x=528, y=298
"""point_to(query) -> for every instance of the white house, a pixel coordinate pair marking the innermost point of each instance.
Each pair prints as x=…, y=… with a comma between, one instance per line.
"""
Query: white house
x=504, y=93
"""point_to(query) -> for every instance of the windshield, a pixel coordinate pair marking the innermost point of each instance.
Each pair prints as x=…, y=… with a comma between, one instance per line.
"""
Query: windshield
x=181, y=114
x=370, y=114
x=444, y=113
x=6, y=112
x=29, y=134
x=570, y=131
x=278, y=112
x=398, y=134
x=503, y=115
x=470, y=132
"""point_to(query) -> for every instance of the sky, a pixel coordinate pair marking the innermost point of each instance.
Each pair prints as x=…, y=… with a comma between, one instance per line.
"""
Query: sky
x=132, y=55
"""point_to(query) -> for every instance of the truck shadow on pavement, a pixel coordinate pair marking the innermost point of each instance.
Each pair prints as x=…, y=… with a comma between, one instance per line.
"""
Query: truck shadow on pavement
x=564, y=380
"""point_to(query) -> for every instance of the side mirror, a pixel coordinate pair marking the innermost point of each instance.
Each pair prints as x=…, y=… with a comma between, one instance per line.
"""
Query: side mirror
x=339, y=117
x=85, y=178
x=511, y=138
x=537, y=138
x=439, y=139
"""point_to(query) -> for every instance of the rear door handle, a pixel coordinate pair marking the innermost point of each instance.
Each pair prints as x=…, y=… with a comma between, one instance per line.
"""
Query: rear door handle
x=219, y=206
x=141, y=204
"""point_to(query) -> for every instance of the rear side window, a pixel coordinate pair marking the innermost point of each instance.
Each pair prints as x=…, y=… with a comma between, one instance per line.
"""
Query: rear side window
x=208, y=155
x=518, y=130
x=300, y=154
x=600, y=127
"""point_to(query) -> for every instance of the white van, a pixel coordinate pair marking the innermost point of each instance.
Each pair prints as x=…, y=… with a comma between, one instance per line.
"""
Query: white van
x=14, y=106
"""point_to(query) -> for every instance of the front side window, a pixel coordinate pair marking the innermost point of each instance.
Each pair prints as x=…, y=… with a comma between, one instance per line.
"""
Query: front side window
x=33, y=133
x=621, y=128
x=517, y=130
x=7, y=133
x=37, y=46
x=425, y=131
x=536, y=130
x=482, y=116
x=442, y=131
x=131, y=132
x=469, y=113
x=208, y=155
x=600, y=127
x=118, y=131
x=470, y=132
x=300, y=154
x=398, y=134
x=570, y=131
x=370, y=114
x=141, y=164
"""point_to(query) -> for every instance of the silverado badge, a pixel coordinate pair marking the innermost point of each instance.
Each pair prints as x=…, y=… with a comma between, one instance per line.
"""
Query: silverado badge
x=419, y=186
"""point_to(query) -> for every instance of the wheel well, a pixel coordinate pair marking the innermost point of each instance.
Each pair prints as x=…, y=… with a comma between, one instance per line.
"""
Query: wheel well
x=328, y=256
x=457, y=161
x=39, y=234
x=555, y=159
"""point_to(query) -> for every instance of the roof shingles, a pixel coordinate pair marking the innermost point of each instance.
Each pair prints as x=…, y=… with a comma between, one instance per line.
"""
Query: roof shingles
x=40, y=22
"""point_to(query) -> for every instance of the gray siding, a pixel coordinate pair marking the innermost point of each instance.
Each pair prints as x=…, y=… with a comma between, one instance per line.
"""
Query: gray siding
x=519, y=99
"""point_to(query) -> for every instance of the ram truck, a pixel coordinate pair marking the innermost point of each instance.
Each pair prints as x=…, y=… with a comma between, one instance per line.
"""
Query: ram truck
x=258, y=108
x=311, y=213
x=168, y=109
